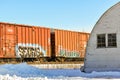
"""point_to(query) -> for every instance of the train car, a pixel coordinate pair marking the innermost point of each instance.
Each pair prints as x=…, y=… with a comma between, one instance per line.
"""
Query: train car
x=30, y=43
x=68, y=45
x=23, y=41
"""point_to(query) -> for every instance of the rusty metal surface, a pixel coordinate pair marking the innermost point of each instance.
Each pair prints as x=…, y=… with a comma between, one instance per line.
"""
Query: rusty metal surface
x=18, y=40
x=70, y=43
x=24, y=41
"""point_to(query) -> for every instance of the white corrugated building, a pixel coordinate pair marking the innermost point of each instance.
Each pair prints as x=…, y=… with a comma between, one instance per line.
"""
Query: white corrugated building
x=103, y=49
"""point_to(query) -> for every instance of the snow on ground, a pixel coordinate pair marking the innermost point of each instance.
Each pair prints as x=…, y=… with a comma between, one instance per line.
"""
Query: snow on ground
x=26, y=72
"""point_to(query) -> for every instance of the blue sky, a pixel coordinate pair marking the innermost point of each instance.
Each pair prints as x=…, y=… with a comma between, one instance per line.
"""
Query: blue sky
x=75, y=15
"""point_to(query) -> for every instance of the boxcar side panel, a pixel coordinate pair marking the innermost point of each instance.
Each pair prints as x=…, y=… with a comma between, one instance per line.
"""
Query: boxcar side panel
x=70, y=44
x=8, y=40
x=32, y=42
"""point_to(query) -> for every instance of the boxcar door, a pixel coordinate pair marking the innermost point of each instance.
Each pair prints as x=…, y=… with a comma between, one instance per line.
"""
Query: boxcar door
x=8, y=40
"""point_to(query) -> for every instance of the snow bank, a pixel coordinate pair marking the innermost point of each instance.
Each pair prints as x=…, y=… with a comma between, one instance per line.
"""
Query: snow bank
x=22, y=70
x=27, y=72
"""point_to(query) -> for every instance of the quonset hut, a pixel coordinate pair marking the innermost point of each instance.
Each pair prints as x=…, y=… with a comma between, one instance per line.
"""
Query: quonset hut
x=103, y=49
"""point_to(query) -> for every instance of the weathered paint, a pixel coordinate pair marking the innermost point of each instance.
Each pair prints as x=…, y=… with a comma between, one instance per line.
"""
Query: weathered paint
x=8, y=40
x=65, y=53
x=29, y=50
x=16, y=39
x=70, y=43
x=30, y=38
x=108, y=58
x=37, y=36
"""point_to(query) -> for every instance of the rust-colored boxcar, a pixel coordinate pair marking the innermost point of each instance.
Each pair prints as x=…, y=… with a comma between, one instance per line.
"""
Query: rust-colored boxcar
x=70, y=44
x=24, y=41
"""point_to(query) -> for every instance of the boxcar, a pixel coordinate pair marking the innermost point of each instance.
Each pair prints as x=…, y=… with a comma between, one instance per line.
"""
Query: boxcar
x=33, y=42
x=69, y=44
x=23, y=41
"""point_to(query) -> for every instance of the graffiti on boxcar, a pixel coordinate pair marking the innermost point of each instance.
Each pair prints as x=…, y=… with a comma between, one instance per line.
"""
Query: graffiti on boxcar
x=29, y=50
x=66, y=53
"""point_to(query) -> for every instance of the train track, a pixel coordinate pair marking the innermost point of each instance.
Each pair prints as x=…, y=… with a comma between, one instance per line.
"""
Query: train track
x=37, y=62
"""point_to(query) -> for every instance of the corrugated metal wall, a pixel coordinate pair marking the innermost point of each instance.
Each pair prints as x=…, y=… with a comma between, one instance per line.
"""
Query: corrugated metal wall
x=30, y=41
x=8, y=39
x=70, y=44
x=17, y=40
x=35, y=37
